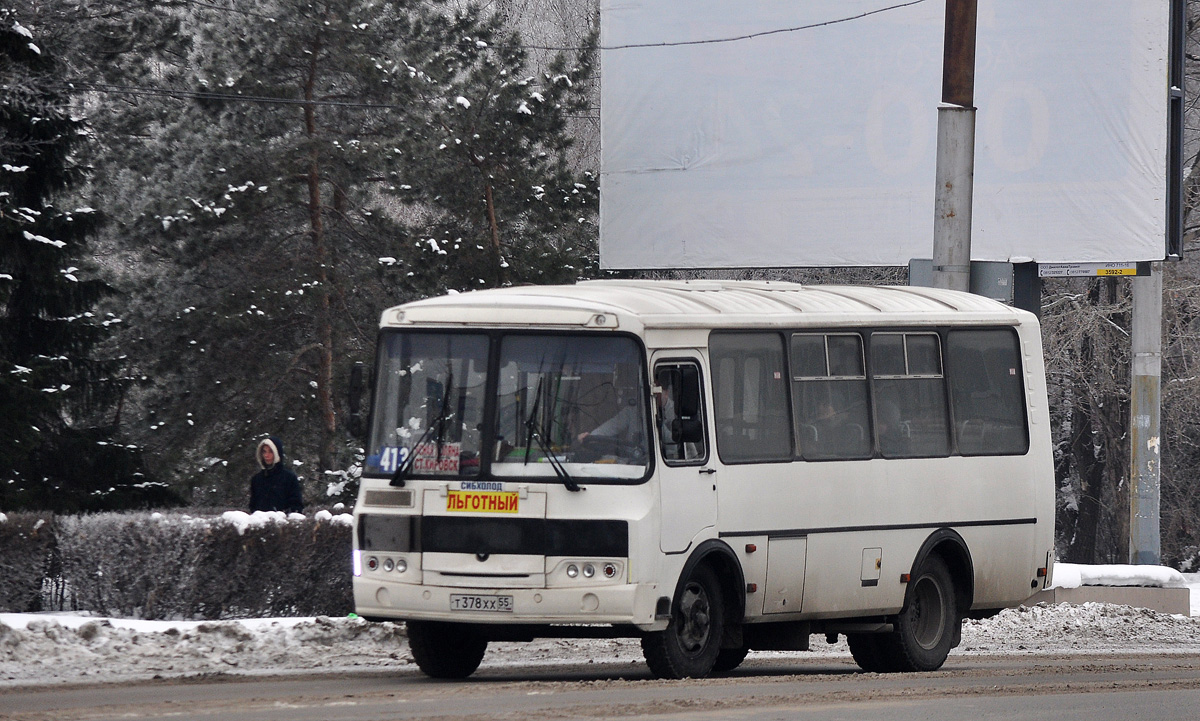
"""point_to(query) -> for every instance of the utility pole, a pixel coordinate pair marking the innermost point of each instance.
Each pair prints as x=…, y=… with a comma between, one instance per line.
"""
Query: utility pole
x=955, y=150
x=1145, y=388
x=1145, y=457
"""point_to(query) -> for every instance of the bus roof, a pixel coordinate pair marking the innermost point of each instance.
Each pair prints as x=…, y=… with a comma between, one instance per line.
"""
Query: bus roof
x=639, y=304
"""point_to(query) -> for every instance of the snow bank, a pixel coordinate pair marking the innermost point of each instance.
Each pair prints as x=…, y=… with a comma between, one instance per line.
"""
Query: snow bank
x=40, y=649
x=1072, y=575
x=1089, y=628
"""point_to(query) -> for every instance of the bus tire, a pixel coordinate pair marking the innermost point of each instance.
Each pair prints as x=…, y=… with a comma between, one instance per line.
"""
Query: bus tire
x=445, y=650
x=870, y=651
x=925, y=628
x=729, y=659
x=689, y=646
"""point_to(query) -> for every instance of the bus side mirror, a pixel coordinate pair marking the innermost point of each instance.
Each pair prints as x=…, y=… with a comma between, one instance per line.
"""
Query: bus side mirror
x=689, y=430
x=688, y=388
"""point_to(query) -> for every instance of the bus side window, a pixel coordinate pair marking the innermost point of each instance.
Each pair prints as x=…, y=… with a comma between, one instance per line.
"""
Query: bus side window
x=910, y=395
x=829, y=396
x=679, y=413
x=750, y=392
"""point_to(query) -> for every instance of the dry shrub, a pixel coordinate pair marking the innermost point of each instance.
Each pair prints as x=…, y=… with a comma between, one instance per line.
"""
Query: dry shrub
x=160, y=566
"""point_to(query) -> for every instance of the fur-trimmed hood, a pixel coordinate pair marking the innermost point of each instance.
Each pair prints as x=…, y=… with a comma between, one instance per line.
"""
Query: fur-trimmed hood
x=275, y=487
x=276, y=447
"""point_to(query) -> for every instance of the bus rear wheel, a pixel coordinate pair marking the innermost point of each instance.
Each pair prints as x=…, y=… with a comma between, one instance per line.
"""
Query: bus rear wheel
x=445, y=650
x=925, y=628
x=870, y=651
x=689, y=646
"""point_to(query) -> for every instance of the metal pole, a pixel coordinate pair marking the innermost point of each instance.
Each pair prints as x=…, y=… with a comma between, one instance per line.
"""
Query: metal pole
x=955, y=151
x=1027, y=287
x=1145, y=544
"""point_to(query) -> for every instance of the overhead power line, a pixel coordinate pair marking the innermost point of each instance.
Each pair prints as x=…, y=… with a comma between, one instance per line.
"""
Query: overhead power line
x=763, y=33
x=630, y=46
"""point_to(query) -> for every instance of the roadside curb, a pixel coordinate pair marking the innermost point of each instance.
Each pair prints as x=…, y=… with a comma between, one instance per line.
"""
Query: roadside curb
x=1163, y=600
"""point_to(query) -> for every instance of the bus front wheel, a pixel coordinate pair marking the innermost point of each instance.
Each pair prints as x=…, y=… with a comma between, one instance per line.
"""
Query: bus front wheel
x=689, y=646
x=445, y=650
x=729, y=659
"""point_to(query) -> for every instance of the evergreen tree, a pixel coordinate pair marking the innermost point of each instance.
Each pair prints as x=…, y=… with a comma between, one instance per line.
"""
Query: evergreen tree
x=251, y=196
x=297, y=152
x=49, y=376
x=492, y=167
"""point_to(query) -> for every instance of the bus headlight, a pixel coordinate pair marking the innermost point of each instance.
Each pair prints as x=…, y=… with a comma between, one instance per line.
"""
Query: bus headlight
x=588, y=570
x=401, y=565
x=572, y=571
x=388, y=565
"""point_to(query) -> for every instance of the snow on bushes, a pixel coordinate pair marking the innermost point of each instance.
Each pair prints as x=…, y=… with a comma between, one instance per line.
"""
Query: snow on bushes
x=172, y=566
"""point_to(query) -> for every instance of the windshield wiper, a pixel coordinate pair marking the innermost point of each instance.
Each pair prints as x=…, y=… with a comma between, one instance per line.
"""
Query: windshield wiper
x=534, y=431
x=529, y=420
x=439, y=423
x=557, y=465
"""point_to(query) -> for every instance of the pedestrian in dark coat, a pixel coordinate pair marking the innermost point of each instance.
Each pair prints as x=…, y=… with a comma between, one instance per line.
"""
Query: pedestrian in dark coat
x=275, y=487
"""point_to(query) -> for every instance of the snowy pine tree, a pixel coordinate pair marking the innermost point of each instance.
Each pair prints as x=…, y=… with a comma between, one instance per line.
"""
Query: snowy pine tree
x=296, y=148
x=491, y=167
x=50, y=377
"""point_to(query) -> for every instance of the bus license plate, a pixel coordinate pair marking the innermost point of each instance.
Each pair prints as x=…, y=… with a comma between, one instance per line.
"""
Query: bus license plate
x=462, y=602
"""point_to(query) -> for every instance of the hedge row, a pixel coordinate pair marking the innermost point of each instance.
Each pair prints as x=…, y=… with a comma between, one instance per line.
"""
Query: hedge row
x=171, y=566
x=28, y=556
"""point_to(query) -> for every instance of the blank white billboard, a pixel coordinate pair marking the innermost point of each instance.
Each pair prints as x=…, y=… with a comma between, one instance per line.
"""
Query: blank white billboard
x=816, y=147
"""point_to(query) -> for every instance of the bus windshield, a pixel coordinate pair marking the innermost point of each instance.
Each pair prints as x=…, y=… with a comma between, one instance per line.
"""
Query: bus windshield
x=568, y=408
x=429, y=394
x=576, y=402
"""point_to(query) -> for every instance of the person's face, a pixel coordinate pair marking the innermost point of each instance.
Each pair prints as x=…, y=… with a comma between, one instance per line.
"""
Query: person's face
x=268, y=456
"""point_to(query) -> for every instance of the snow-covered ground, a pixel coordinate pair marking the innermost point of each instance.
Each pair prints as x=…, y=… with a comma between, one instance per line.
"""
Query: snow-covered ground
x=55, y=649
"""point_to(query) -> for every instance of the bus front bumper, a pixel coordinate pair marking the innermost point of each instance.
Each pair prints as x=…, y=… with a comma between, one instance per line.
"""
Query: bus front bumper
x=627, y=604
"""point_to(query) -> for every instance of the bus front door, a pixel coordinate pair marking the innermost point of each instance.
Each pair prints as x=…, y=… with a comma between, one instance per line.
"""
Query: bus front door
x=686, y=476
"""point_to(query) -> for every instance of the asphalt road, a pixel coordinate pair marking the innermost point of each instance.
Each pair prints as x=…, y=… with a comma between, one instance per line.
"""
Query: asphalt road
x=1063, y=688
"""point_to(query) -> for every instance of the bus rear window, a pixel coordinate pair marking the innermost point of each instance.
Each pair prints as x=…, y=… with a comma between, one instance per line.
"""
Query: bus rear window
x=984, y=367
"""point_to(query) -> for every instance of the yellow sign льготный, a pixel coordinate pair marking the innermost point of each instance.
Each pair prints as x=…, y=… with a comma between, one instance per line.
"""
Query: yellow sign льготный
x=472, y=502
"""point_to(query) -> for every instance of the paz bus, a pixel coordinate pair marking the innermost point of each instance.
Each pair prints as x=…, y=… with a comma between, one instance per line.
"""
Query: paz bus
x=712, y=467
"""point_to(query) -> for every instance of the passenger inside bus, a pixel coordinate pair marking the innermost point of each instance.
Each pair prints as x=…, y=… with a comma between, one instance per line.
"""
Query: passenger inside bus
x=893, y=438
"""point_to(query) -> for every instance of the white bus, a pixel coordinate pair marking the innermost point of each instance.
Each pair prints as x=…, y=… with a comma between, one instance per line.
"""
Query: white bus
x=710, y=466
